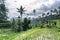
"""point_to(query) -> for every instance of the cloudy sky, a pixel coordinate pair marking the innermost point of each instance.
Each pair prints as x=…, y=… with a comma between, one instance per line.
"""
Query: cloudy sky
x=29, y=5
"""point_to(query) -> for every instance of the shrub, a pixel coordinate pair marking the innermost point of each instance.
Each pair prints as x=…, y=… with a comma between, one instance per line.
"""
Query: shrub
x=26, y=24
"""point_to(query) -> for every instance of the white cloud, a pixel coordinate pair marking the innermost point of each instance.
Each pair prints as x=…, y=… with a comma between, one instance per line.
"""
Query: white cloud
x=28, y=4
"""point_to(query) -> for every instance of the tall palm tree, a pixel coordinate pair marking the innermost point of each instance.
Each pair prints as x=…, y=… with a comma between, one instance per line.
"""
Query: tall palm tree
x=21, y=11
x=51, y=11
x=55, y=11
x=48, y=13
x=34, y=11
x=43, y=14
x=59, y=9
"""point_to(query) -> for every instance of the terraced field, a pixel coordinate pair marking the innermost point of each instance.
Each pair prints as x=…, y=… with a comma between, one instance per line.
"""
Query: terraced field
x=39, y=34
x=33, y=34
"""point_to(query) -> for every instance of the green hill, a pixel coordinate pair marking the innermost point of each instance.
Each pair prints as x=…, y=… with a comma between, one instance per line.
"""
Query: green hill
x=34, y=33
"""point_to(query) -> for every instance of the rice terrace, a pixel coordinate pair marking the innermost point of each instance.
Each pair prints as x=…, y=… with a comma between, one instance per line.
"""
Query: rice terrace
x=29, y=20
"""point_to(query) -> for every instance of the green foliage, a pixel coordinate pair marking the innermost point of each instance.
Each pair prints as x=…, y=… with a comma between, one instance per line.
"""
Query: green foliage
x=26, y=24
x=19, y=23
x=20, y=26
x=3, y=10
x=14, y=25
x=21, y=11
x=4, y=23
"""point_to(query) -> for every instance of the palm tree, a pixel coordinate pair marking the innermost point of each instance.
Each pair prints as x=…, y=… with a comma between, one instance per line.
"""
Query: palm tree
x=51, y=12
x=21, y=11
x=34, y=11
x=48, y=13
x=43, y=19
x=59, y=10
x=55, y=11
x=43, y=14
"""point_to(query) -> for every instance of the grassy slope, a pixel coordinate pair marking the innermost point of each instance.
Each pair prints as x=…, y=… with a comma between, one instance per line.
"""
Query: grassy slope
x=34, y=34
x=15, y=36
x=26, y=34
x=43, y=32
x=4, y=35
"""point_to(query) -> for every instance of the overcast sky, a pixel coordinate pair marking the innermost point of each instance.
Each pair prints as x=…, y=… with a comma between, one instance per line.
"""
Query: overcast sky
x=30, y=5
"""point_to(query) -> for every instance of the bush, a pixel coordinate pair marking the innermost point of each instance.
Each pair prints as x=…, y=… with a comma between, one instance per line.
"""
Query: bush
x=5, y=24
x=26, y=24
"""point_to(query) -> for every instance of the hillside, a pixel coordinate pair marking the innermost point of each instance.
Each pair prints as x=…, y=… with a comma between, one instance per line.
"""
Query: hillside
x=39, y=34
x=34, y=34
